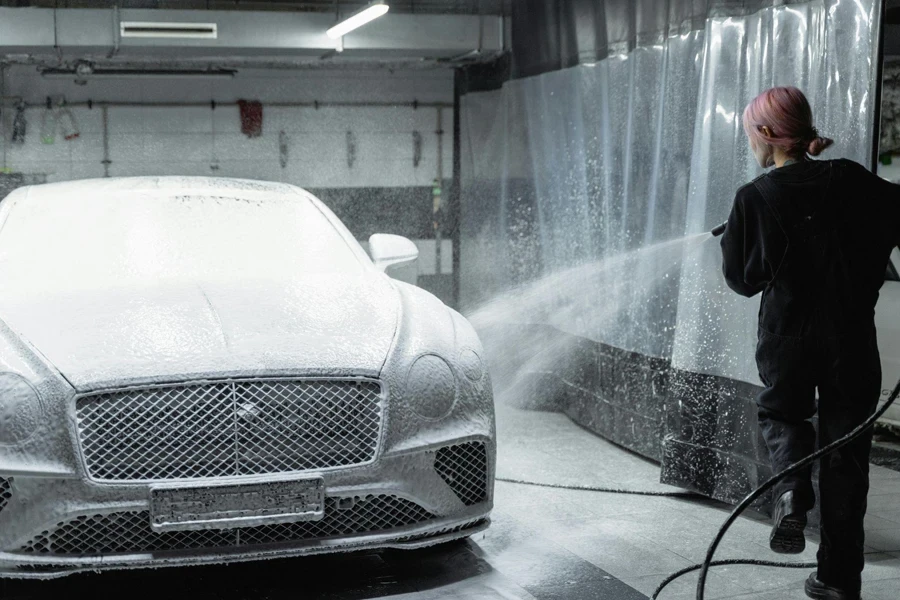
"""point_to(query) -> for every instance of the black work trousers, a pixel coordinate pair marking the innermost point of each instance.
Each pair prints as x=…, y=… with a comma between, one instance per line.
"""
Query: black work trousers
x=846, y=371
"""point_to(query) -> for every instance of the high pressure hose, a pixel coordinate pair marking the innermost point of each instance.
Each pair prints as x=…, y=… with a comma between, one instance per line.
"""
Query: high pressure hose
x=606, y=490
x=830, y=448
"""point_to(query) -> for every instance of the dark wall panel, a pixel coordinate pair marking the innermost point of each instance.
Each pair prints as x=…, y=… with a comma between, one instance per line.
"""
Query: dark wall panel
x=404, y=211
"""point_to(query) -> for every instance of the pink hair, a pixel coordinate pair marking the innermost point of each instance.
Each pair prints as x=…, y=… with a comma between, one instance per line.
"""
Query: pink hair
x=786, y=112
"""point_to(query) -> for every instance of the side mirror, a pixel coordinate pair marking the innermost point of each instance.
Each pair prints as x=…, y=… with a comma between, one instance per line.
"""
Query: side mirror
x=390, y=250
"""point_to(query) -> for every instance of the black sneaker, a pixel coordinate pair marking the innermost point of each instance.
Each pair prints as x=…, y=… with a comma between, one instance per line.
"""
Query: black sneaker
x=817, y=590
x=789, y=521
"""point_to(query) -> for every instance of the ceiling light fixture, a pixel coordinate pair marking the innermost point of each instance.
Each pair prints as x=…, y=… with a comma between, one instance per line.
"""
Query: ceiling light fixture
x=375, y=9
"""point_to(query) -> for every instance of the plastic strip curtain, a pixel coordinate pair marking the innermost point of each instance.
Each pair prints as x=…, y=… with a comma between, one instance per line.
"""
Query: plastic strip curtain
x=576, y=181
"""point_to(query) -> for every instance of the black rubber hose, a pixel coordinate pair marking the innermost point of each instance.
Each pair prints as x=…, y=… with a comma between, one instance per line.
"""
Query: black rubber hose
x=732, y=561
x=746, y=502
x=591, y=488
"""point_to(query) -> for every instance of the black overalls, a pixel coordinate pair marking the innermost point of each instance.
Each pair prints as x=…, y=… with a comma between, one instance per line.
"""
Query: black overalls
x=815, y=238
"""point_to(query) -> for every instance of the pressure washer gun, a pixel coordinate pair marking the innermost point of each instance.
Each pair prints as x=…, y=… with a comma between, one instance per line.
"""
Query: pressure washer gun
x=719, y=230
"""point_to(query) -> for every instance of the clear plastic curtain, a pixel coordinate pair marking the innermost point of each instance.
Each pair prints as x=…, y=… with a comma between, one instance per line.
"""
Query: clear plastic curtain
x=578, y=184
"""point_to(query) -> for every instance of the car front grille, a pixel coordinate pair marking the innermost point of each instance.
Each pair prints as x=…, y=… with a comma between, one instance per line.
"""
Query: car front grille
x=463, y=467
x=5, y=491
x=130, y=532
x=229, y=428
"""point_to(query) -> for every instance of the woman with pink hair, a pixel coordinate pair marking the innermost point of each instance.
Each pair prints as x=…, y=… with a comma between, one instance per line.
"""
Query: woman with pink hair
x=815, y=238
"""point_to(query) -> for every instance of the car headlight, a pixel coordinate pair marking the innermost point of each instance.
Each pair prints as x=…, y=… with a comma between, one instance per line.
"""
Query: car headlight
x=471, y=365
x=431, y=387
x=20, y=408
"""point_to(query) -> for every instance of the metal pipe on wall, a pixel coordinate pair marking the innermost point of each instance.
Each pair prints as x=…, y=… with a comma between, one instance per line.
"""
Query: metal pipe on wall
x=455, y=198
x=439, y=183
x=104, y=111
x=2, y=95
x=112, y=104
x=117, y=32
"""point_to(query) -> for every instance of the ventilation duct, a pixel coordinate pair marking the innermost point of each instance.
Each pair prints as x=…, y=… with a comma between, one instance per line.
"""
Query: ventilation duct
x=224, y=38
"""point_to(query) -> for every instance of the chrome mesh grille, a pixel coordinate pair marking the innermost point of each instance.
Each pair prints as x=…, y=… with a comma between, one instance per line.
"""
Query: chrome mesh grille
x=463, y=467
x=5, y=491
x=130, y=532
x=229, y=428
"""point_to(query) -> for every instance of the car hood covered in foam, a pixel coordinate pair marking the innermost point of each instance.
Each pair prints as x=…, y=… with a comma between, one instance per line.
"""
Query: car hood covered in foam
x=323, y=324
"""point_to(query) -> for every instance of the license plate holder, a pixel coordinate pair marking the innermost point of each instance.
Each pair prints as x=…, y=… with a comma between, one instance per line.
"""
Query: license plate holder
x=180, y=507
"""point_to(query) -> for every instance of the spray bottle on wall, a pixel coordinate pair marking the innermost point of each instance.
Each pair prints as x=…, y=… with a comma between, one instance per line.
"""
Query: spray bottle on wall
x=67, y=122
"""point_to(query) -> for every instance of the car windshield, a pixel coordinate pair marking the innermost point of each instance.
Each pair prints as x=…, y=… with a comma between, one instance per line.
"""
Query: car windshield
x=122, y=238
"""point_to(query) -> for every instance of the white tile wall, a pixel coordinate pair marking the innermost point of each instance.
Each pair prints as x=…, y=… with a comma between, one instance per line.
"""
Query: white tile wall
x=193, y=140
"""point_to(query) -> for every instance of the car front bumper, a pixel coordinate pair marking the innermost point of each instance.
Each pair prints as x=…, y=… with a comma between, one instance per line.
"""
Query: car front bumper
x=428, y=495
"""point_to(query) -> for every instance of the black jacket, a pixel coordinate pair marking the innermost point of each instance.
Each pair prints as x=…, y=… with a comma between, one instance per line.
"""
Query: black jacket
x=815, y=237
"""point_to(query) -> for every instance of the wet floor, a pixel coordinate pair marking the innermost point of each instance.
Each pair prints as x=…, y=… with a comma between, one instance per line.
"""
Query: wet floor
x=544, y=544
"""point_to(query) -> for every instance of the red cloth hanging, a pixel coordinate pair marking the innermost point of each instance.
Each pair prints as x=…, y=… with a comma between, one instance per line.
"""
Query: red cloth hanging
x=251, y=117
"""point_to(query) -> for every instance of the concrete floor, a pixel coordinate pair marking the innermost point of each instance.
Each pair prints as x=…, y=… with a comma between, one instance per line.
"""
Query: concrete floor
x=544, y=544
x=639, y=540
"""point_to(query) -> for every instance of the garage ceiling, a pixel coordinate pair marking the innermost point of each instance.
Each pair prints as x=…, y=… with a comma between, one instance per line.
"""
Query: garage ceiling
x=470, y=7
x=93, y=35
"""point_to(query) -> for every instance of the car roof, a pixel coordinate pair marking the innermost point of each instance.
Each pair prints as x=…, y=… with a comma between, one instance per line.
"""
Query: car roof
x=208, y=185
x=193, y=185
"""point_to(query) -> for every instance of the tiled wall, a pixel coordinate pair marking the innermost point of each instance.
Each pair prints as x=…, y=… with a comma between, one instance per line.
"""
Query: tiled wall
x=203, y=141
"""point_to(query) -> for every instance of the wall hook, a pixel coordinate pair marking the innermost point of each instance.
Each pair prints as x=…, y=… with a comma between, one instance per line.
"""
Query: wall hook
x=351, y=149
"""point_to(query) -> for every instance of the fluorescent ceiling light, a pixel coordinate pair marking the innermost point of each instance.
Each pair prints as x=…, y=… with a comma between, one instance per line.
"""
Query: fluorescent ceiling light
x=375, y=9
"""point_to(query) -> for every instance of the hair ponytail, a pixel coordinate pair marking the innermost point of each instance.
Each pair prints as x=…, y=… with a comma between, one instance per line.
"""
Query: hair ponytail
x=818, y=145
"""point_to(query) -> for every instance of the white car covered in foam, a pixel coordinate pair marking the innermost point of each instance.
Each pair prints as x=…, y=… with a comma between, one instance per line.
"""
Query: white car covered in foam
x=200, y=370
